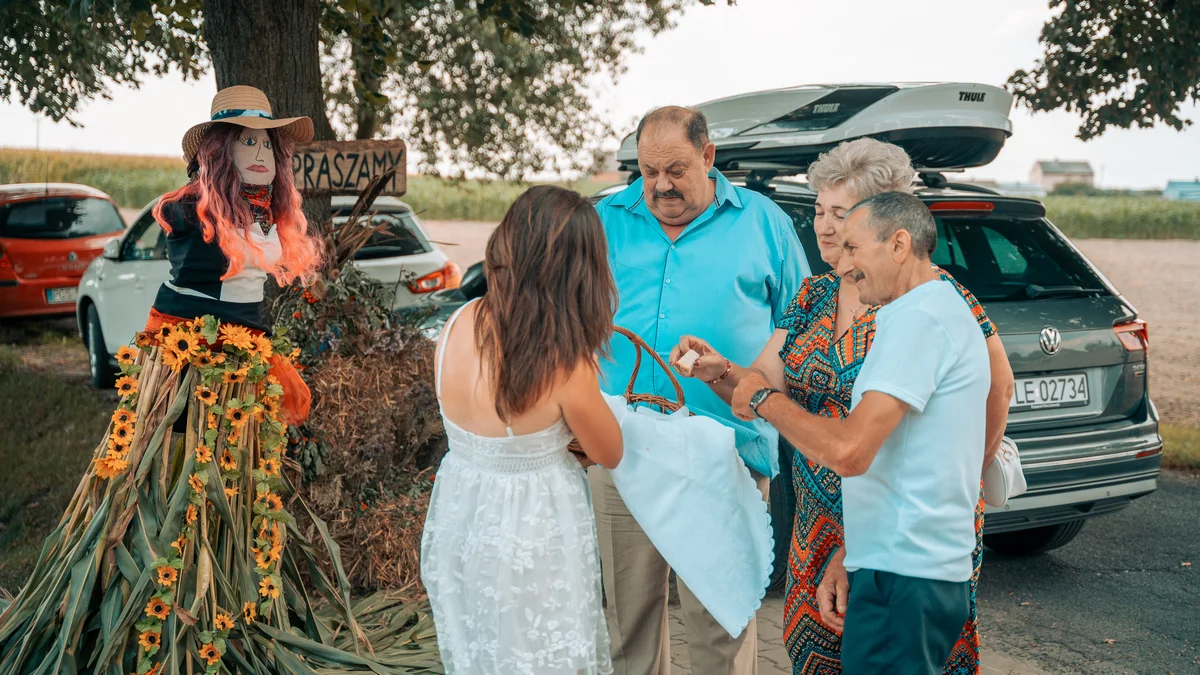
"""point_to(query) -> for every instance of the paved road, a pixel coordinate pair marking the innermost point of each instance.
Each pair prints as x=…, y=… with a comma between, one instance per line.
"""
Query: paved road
x=1122, y=579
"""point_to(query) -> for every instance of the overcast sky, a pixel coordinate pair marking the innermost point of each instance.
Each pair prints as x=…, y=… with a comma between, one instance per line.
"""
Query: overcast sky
x=757, y=44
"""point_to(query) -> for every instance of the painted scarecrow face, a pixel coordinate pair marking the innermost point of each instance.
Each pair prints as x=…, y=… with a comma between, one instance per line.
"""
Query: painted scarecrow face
x=254, y=156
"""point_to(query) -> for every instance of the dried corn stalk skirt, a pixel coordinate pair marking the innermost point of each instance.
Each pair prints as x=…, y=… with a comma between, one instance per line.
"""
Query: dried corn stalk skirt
x=176, y=553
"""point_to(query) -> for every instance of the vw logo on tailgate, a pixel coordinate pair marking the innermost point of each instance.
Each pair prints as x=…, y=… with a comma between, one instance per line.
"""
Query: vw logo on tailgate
x=1050, y=340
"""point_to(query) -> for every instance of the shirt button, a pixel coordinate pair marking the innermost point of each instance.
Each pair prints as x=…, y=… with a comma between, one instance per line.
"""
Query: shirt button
x=668, y=281
x=662, y=316
x=672, y=247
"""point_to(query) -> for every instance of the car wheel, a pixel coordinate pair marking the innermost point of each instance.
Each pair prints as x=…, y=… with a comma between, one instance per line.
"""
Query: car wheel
x=1033, y=541
x=103, y=375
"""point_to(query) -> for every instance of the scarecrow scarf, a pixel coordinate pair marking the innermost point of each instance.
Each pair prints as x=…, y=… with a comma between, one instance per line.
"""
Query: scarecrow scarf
x=259, y=199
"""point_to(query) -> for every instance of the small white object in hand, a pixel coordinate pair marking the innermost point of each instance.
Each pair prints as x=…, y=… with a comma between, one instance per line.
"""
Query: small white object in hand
x=686, y=362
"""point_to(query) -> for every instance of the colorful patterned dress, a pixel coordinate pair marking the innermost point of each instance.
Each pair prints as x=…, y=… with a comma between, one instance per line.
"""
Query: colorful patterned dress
x=820, y=369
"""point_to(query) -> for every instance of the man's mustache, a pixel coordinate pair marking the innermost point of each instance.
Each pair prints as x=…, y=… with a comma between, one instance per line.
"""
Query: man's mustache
x=667, y=195
x=856, y=276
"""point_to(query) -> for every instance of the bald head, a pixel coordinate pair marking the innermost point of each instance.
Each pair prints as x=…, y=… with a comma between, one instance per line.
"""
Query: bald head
x=673, y=118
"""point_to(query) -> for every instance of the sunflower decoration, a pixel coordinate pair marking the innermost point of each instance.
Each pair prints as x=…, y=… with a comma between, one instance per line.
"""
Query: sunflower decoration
x=270, y=406
x=145, y=340
x=263, y=346
x=231, y=492
x=269, y=466
x=123, y=416
x=166, y=575
x=209, y=653
x=126, y=355
x=274, y=502
x=118, y=447
x=150, y=639
x=250, y=611
x=174, y=361
x=223, y=622
x=237, y=417
x=196, y=326
x=182, y=342
x=122, y=433
x=197, y=484
x=163, y=332
x=158, y=609
x=204, y=359
x=213, y=421
x=261, y=558
x=228, y=461
x=205, y=395
x=126, y=386
x=267, y=588
x=236, y=376
x=179, y=543
x=109, y=467
x=190, y=516
x=203, y=454
x=236, y=336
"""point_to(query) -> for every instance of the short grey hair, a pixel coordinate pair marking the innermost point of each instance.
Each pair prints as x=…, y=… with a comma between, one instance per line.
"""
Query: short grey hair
x=865, y=166
x=890, y=212
x=691, y=121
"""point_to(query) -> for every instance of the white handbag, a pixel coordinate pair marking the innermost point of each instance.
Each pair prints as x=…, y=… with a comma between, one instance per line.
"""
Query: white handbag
x=1003, y=479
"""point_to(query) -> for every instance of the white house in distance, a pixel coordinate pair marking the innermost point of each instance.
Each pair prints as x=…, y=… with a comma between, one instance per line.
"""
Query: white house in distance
x=1185, y=191
x=1050, y=173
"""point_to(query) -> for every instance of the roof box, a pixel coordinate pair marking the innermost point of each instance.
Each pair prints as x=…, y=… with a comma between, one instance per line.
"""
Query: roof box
x=942, y=126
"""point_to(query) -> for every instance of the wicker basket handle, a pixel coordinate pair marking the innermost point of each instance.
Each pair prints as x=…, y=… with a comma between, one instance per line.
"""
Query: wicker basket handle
x=640, y=346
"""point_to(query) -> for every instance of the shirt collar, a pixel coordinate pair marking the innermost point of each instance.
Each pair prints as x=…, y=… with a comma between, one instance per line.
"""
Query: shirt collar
x=633, y=196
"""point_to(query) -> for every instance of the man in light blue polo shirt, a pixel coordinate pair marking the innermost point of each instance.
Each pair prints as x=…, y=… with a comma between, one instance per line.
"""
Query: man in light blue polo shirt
x=910, y=452
x=692, y=255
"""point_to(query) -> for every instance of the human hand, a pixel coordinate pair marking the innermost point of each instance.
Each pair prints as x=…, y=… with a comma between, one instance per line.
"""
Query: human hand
x=833, y=592
x=708, y=366
x=740, y=401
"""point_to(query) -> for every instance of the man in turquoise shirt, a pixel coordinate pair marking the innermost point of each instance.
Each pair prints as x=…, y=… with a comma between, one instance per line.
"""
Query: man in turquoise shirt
x=692, y=254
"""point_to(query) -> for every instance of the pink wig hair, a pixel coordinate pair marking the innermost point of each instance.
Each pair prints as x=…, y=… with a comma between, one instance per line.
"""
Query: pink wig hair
x=225, y=215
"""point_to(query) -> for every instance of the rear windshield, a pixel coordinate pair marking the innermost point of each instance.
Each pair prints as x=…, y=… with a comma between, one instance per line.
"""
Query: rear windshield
x=1008, y=259
x=59, y=218
x=996, y=258
x=399, y=236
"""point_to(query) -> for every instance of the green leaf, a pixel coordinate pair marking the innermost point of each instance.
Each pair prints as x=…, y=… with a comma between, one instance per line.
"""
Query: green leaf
x=205, y=636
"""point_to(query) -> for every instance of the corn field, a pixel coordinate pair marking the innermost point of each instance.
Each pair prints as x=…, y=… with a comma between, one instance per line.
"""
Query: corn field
x=1124, y=217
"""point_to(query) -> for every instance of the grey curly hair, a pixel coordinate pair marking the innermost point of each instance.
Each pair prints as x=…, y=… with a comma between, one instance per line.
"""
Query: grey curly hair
x=866, y=167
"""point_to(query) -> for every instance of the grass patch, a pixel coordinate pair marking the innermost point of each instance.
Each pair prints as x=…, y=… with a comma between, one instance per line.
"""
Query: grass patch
x=1126, y=217
x=1181, y=447
x=48, y=429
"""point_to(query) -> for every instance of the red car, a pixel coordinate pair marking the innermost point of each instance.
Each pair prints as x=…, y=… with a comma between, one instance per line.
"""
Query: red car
x=49, y=234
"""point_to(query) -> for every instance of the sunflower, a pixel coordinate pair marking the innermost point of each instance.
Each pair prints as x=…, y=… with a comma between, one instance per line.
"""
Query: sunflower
x=269, y=466
x=250, y=610
x=110, y=467
x=126, y=355
x=231, y=492
x=203, y=359
x=155, y=670
x=237, y=417
x=237, y=336
x=295, y=354
x=191, y=514
x=145, y=339
x=167, y=575
x=182, y=342
x=223, y=622
x=228, y=461
x=196, y=326
x=157, y=609
x=209, y=653
x=173, y=360
x=218, y=358
x=275, y=502
x=235, y=376
x=118, y=447
x=196, y=483
x=163, y=331
x=261, y=558
x=213, y=421
x=179, y=543
x=122, y=433
x=267, y=588
x=264, y=346
x=270, y=406
x=257, y=413
x=203, y=454
x=150, y=639
x=126, y=386
x=122, y=416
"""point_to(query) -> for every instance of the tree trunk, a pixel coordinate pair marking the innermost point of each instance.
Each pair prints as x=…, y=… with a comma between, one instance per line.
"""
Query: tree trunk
x=276, y=47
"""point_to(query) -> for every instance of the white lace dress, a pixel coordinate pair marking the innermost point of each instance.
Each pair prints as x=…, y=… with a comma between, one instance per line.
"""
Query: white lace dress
x=509, y=556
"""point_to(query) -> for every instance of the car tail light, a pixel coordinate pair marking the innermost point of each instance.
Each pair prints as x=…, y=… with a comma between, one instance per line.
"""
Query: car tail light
x=6, y=269
x=448, y=276
x=962, y=206
x=1134, y=335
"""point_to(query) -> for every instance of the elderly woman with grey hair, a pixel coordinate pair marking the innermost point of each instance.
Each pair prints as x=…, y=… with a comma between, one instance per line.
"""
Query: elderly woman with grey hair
x=815, y=355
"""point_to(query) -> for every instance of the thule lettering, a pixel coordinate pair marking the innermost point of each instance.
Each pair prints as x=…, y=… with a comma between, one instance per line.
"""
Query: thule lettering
x=971, y=96
x=826, y=108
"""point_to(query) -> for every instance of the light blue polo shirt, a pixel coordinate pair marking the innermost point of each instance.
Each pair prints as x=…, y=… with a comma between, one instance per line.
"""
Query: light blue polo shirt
x=727, y=279
x=913, y=512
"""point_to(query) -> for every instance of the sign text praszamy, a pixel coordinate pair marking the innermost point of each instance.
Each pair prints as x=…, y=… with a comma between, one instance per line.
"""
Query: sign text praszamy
x=345, y=167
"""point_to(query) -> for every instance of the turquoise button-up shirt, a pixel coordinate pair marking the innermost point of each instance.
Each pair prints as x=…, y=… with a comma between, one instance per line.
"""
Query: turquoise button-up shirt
x=727, y=278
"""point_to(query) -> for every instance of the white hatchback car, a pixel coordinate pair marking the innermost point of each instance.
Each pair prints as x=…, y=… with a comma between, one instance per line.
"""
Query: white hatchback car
x=118, y=288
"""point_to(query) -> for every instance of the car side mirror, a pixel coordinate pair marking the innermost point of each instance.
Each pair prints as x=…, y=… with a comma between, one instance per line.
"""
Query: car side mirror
x=474, y=283
x=112, y=249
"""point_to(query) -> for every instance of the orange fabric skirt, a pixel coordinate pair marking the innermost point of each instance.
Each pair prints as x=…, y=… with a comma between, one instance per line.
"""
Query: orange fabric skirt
x=297, y=398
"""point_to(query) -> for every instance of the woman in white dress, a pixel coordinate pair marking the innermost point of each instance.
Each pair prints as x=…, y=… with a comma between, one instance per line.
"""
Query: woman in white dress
x=509, y=553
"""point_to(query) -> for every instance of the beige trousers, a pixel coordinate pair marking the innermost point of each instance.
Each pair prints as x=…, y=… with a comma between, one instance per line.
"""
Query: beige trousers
x=636, y=582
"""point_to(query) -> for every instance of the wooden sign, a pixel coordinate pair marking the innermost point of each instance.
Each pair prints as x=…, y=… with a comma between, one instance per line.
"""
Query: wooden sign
x=346, y=167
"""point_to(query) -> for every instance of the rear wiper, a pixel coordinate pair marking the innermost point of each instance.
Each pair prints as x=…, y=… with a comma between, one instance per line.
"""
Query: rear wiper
x=1036, y=291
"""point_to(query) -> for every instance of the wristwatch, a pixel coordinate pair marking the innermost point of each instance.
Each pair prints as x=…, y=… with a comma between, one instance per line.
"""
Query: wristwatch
x=760, y=397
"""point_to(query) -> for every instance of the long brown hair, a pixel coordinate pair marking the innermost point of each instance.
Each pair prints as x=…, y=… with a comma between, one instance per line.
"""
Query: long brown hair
x=550, y=299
